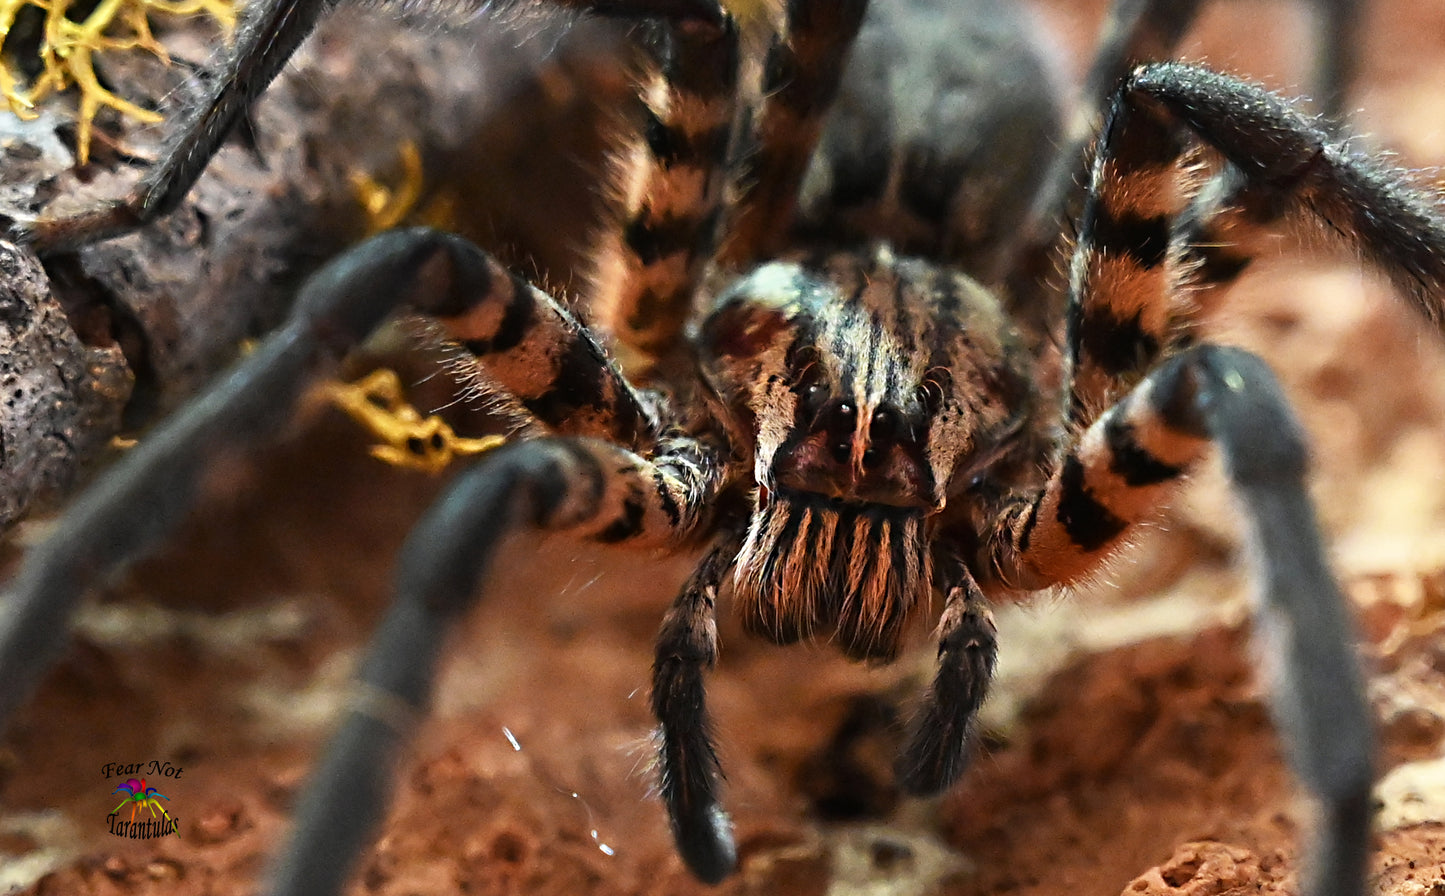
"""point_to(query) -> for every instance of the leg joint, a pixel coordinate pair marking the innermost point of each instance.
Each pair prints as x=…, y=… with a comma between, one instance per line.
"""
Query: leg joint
x=1231, y=396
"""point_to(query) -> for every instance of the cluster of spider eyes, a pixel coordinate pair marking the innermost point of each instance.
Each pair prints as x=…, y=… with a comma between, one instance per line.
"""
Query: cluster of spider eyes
x=841, y=422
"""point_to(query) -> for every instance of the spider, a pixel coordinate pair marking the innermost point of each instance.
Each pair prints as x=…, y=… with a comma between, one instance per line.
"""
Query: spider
x=841, y=429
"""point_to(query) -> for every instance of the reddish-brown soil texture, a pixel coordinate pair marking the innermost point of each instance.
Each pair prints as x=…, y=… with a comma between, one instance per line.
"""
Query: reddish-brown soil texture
x=1129, y=749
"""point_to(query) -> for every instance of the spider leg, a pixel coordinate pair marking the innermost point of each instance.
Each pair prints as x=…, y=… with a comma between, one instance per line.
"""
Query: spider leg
x=1126, y=305
x=688, y=765
x=269, y=35
x=1132, y=348
x=1124, y=467
x=670, y=181
x=803, y=70
x=527, y=349
x=1134, y=31
x=586, y=488
x=1303, y=626
x=939, y=738
x=1142, y=236
x=1395, y=225
x=1142, y=31
x=525, y=341
x=675, y=177
x=148, y=492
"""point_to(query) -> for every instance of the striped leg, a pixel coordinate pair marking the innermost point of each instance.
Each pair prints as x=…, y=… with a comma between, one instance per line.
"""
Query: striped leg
x=1125, y=315
x=521, y=339
x=269, y=35
x=1397, y=227
x=1148, y=255
x=1124, y=310
x=1134, y=31
x=1119, y=473
x=670, y=181
x=142, y=498
x=1123, y=468
x=1141, y=31
x=522, y=347
x=802, y=73
x=588, y=489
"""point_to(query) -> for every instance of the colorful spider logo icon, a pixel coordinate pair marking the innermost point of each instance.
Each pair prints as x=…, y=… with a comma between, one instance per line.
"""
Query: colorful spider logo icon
x=138, y=795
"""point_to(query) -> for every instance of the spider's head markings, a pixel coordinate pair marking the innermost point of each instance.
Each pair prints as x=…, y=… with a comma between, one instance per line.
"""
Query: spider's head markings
x=865, y=386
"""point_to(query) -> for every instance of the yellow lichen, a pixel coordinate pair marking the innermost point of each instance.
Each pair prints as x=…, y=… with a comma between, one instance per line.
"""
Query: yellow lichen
x=68, y=48
x=407, y=439
x=402, y=196
x=377, y=401
x=388, y=206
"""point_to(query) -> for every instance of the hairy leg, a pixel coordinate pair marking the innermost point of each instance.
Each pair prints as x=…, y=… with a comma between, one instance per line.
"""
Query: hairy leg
x=688, y=771
x=1124, y=467
x=670, y=182
x=802, y=72
x=518, y=335
x=1395, y=223
x=137, y=503
x=940, y=737
x=587, y=489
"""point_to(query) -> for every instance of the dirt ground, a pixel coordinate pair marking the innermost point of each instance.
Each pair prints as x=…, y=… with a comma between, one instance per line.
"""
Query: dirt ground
x=1128, y=746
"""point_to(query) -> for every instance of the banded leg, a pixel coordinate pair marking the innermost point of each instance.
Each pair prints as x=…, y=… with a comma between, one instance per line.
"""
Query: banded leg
x=588, y=489
x=1134, y=31
x=134, y=505
x=1395, y=226
x=1143, y=31
x=688, y=771
x=803, y=70
x=937, y=749
x=1140, y=238
x=524, y=348
x=1122, y=469
x=268, y=37
x=1124, y=310
x=670, y=181
x=519, y=336
x=1125, y=466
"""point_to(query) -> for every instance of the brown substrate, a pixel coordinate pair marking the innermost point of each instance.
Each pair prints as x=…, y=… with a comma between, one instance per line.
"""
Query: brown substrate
x=1129, y=748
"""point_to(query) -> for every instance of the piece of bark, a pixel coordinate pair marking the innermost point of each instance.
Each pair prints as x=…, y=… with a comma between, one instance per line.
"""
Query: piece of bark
x=166, y=307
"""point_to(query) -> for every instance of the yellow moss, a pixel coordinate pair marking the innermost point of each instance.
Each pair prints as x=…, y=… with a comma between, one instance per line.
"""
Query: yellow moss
x=68, y=49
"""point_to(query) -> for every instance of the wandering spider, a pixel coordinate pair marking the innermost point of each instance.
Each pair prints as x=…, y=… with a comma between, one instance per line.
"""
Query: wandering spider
x=865, y=407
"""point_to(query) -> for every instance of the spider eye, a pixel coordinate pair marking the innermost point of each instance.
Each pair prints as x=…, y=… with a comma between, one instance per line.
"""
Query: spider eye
x=883, y=424
x=812, y=395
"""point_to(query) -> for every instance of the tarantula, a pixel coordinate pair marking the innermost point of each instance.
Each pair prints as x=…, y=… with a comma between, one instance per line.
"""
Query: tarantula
x=844, y=430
